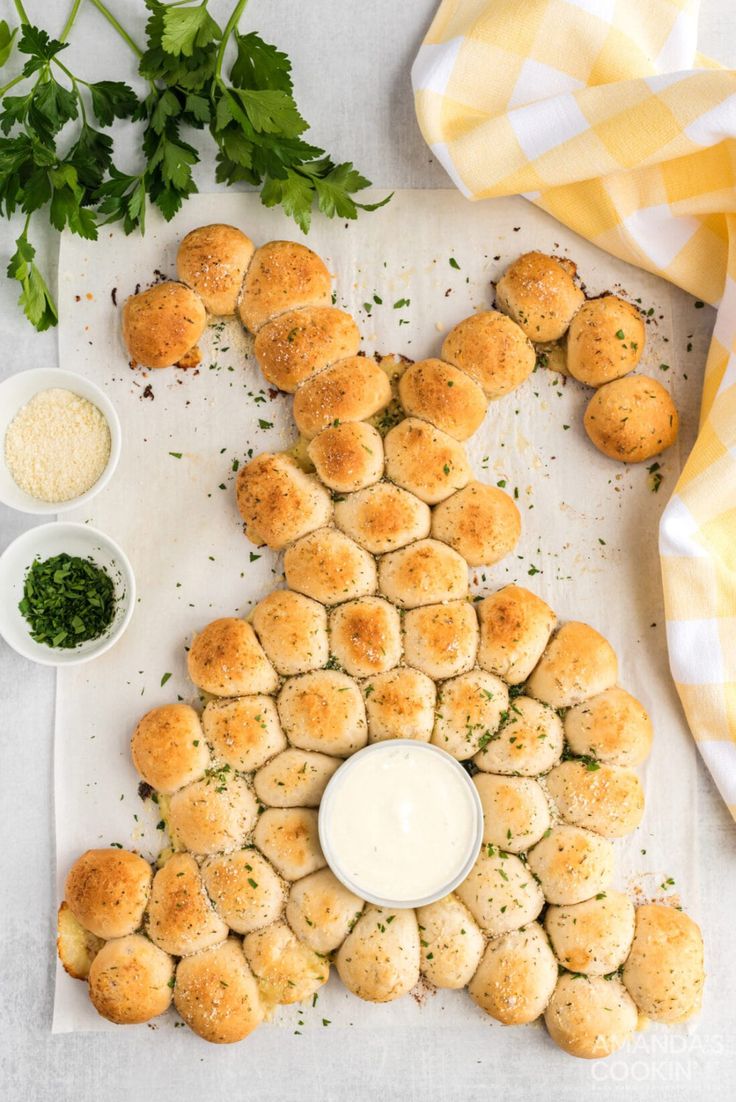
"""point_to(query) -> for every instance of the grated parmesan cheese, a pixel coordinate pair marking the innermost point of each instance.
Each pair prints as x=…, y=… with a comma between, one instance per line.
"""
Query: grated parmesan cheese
x=57, y=445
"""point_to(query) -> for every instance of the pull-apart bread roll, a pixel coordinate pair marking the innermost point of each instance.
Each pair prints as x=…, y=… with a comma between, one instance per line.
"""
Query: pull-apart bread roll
x=217, y=995
x=572, y=864
x=213, y=815
x=577, y=664
x=540, y=294
x=607, y=799
x=323, y=711
x=664, y=970
x=350, y=390
x=515, y=626
x=295, y=778
x=423, y=573
x=348, y=456
x=516, y=976
x=287, y=970
x=605, y=341
x=444, y=395
x=492, y=350
x=244, y=732
x=593, y=937
x=590, y=1016
x=130, y=980
x=283, y=275
x=213, y=260
x=292, y=629
x=77, y=947
x=226, y=659
x=425, y=461
x=365, y=636
x=451, y=942
x=383, y=517
x=481, y=522
x=469, y=712
x=400, y=704
x=245, y=890
x=168, y=747
x=107, y=891
x=529, y=742
x=329, y=567
x=321, y=911
x=441, y=640
x=300, y=343
x=515, y=811
x=379, y=959
x=632, y=419
x=180, y=918
x=289, y=838
x=611, y=727
x=278, y=501
x=162, y=325
x=500, y=892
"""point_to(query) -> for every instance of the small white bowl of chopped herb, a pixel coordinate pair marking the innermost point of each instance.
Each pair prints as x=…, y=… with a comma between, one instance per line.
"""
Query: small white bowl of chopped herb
x=68, y=593
x=60, y=439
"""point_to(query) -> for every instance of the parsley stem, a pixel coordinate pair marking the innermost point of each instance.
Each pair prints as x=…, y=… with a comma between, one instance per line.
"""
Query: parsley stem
x=105, y=11
x=22, y=15
x=70, y=21
x=230, y=26
x=11, y=84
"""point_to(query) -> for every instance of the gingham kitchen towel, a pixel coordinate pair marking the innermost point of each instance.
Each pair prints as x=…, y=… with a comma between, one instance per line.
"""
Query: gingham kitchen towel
x=603, y=113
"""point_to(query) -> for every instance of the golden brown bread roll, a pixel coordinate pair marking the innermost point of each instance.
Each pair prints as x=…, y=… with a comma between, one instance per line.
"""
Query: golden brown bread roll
x=379, y=959
x=611, y=727
x=168, y=747
x=593, y=937
x=481, y=522
x=400, y=704
x=107, y=891
x=289, y=838
x=515, y=811
x=283, y=275
x=515, y=626
x=492, y=350
x=130, y=980
x=244, y=731
x=278, y=501
x=163, y=324
x=292, y=629
x=329, y=567
x=444, y=395
x=321, y=911
x=245, y=890
x=180, y=917
x=353, y=389
x=529, y=741
x=383, y=517
x=540, y=294
x=500, y=892
x=572, y=864
x=423, y=573
x=226, y=659
x=441, y=640
x=605, y=341
x=607, y=799
x=664, y=970
x=516, y=977
x=323, y=711
x=347, y=457
x=451, y=942
x=213, y=260
x=287, y=970
x=578, y=663
x=77, y=947
x=470, y=709
x=214, y=814
x=300, y=343
x=216, y=994
x=425, y=461
x=590, y=1016
x=295, y=778
x=632, y=419
x=365, y=636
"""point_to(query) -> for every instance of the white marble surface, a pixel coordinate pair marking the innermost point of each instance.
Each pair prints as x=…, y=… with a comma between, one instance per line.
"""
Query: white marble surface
x=351, y=67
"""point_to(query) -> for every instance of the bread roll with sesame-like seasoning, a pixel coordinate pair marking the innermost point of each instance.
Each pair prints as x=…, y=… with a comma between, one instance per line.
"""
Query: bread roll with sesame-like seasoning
x=590, y=1016
x=607, y=799
x=611, y=727
x=180, y=918
x=515, y=811
x=540, y=294
x=289, y=838
x=162, y=325
x=425, y=461
x=329, y=567
x=451, y=942
x=444, y=395
x=400, y=704
x=347, y=457
x=107, y=891
x=492, y=350
x=572, y=864
x=578, y=663
x=441, y=640
x=244, y=731
x=663, y=972
x=383, y=518
x=593, y=937
x=278, y=501
x=217, y=995
x=481, y=522
x=500, y=892
x=632, y=419
x=379, y=959
x=469, y=711
x=130, y=980
x=365, y=636
x=212, y=815
x=516, y=977
x=292, y=629
x=299, y=343
x=605, y=341
x=321, y=911
x=529, y=741
x=287, y=970
x=226, y=659
x=245, y=890
x=515, y=626
x=349, y=390
x=213, y=260
x=168, y=747
x=323, y=711
x=295, y=778
x=423, y=573
x=283, y=275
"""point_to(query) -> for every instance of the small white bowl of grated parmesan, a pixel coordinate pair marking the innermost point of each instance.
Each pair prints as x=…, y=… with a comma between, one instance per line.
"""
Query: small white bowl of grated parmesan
x=60, y=440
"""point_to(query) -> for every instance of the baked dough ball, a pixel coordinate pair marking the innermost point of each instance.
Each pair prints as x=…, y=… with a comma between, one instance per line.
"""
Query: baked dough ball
x=605, y=341
x=572, y=864
x=445, y=396
x=607, y=799
x=540, y=294
x=365, y=636
x=353, y=389
x=515, y=811
x=578, y=663
x=383, y=518
x=163, y=324
x=612, y=727
x=528, y=743
x=295, y=778
x=226, y=659
x=323, y=711
x=212, y=815
x=516, y=976
x=500, y=892
x=292, y=629
x=244, y=889
x=590, y=1016
x=469, y=711
x=300, y=343
x=493, y=350
x=400, y=704
x=425, y=461
x=664, y=970
x=480, y=522
x=593, y=937
x=244, y=732
x=441, y=640
x=321, y=911
x=288, y=971
x=289, y=838
x=107, y=891
x=632, y=419
x=423, y=574
x=329, y=567
x=515, y=626
x=283, y=275
x=451, y=942
x=77, y=947
x=348, y=456
x=130, y=980
x=180, y=918
x=278, y=501
x=216, y=994
x=168, y=747
x=213, y=260
x=379, y=959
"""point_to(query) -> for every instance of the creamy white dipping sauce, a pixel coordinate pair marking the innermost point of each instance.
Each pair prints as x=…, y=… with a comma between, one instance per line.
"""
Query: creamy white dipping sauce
x=401, y=822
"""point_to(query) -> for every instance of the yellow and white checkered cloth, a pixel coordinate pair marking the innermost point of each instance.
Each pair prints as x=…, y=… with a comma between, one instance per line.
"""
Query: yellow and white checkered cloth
x=602, y=113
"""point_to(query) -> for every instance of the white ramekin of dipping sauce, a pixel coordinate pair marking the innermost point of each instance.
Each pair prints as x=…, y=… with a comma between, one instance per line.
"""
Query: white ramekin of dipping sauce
x=401, y=823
